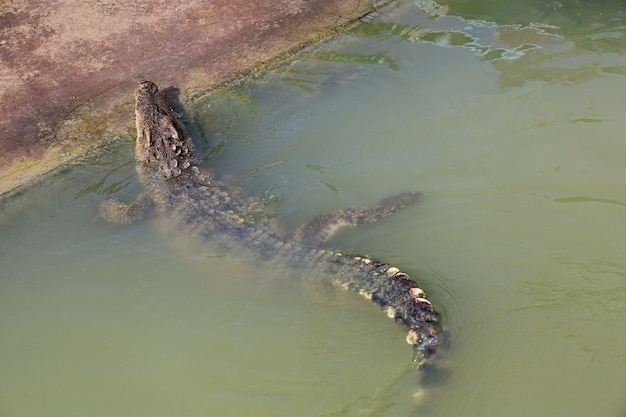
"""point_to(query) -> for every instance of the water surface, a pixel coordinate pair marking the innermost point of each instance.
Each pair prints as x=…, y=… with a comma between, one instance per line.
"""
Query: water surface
x=515, y=132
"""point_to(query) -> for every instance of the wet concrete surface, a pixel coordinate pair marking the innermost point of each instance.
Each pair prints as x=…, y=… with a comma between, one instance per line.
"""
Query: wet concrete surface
x=68, y=68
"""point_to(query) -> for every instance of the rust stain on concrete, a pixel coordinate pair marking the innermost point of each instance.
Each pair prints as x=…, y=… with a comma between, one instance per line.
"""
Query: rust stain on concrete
x=67, y=68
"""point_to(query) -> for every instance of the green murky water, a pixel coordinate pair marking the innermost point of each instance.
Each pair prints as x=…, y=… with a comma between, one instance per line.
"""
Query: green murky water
x=512, y=123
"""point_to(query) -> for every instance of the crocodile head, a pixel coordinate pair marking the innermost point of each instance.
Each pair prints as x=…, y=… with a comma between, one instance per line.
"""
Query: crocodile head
x=163, y=145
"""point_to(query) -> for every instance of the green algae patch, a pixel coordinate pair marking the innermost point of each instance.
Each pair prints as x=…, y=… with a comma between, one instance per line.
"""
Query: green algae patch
x=587, y=120
x=586, y=199
x=331, y=187
x=448, y=38
x=318, y=168
x=620, y=69
x=359, y=58
x=301, y=83
x=382, y=30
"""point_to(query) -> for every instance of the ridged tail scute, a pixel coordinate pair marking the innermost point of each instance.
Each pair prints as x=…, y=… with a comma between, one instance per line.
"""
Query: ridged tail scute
x=398, y=295
x=405, y=302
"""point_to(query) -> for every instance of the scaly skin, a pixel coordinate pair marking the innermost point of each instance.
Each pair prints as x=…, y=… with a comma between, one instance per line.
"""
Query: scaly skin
x=217, y=211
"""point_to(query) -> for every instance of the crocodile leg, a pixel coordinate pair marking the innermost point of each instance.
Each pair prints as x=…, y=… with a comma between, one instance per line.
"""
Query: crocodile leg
x=115, y=211
x=323, y=227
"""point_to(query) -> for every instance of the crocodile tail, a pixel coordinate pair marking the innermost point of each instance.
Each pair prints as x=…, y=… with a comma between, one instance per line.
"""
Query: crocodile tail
x=398, y=295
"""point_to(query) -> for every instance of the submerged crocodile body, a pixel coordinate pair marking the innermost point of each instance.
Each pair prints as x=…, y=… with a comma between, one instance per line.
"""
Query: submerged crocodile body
x=213, y=209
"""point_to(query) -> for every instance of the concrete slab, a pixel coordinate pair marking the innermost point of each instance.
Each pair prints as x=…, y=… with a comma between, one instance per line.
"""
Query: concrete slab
x=68, y=68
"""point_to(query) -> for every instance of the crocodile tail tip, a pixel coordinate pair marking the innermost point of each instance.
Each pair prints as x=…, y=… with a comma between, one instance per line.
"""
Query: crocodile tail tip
x=424, y=344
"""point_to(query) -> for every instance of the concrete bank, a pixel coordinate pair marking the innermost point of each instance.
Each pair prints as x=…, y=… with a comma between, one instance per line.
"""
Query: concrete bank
x=68, y=68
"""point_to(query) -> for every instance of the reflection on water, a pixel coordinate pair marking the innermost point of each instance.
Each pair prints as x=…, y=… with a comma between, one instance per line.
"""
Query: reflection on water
x=512, y=127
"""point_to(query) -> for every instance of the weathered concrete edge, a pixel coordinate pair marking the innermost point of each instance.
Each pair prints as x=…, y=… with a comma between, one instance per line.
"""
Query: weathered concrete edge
x=117, y=123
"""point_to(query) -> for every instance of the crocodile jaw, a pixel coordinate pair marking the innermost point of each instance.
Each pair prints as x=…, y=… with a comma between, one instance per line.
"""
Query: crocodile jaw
x=163, y=145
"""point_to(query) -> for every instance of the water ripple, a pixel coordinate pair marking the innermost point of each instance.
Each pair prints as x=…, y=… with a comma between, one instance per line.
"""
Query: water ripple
x=600, y=285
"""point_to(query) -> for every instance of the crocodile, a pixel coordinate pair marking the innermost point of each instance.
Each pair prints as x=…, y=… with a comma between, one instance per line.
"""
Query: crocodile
x=206, y=206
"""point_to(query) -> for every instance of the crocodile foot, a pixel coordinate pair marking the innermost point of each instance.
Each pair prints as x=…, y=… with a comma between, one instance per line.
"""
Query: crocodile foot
x=115, y=211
